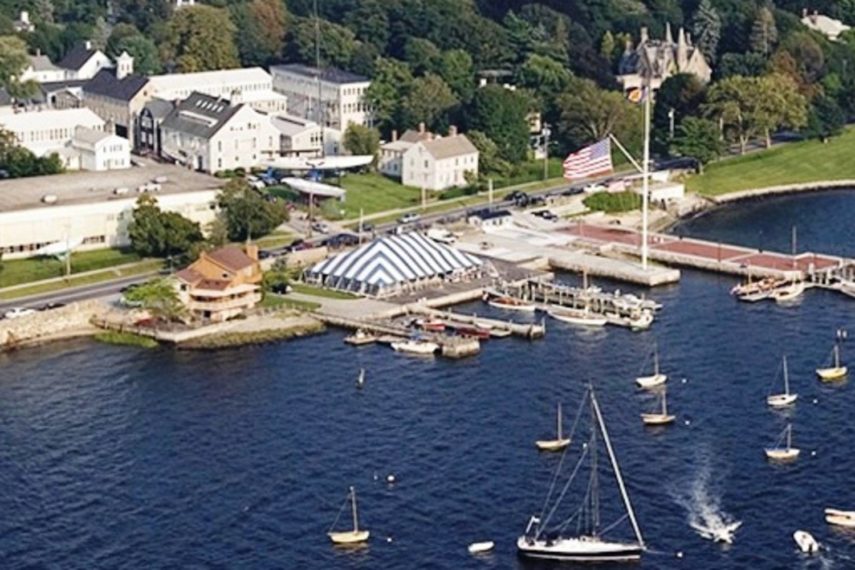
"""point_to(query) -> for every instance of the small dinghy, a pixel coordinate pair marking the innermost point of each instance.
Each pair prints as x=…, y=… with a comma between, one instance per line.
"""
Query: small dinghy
x=785, y=399
x=481, y=547
x=834, y=372
x=655, y=379
x=511, y=304
x=806, y=542
x=840, y=518
x=559, y=443
x=788, y=293
x=784, y=453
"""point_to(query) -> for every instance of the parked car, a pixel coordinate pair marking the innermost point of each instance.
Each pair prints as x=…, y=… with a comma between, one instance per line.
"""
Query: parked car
x=516, y=196
x=536, y=200
x=18, y=312
x=409, y=218
x=281, y=288
x=320, y=227
x=265, y=254
x=51, y=305
x=573, y=191
x=546, y=215
x=341, y=240
x=366, y=227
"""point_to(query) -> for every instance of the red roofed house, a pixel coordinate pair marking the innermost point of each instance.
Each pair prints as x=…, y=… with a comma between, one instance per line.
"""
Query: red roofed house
x=222, y=283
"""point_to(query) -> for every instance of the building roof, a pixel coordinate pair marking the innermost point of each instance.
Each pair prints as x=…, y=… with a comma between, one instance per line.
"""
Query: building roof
x=159, y=108
x=449, y=147
x=200, y=115
x=42, y=63
x=329, y=74
x=51, y=118
x=105, y=84
x=413, y=136
x=231, y=257
x=90, y=136
x=200, y=80
x=77, y=57
x=290, y=125
x=390, y=260
x=825, y=25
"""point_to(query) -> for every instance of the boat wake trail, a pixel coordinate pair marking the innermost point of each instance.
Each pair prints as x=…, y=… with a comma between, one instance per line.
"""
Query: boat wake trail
x=703, y=509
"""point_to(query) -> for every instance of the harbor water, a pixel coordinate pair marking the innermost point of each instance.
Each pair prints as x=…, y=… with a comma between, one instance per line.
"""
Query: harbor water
x=115, y=457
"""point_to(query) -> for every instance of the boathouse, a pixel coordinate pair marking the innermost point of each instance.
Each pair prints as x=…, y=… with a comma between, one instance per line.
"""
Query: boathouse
x=395, y=264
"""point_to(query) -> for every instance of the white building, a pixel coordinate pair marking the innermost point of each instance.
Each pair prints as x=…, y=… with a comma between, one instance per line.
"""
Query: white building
x=251, y=85
x=829, y=27
x=23, y=23
x=184, y=3
x=342, y=94
x=210, y=134
x=84, y=61
x=101, y=151
x=44, y=132
x=42, y=70
x=88, y=209
x=297, y=136
x=422, y=159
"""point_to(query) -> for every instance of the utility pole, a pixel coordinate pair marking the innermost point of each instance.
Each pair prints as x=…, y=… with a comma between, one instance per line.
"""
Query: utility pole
x=645, y=185
x=490, y=191
x=671, y=123
x=67, y=252
x=546, y=132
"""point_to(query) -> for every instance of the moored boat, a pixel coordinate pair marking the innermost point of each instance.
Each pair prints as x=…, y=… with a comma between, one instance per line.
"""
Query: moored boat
x=582, y=317
x=412, y=346
x=655, y=379
x=785, y=399
x=806, y=542
x=549, y=539
x=835, y=371
x=473, y=330
x=840, y=518
x=431, y=325
x=788, y=293
x=481, y=547
x=662, y=417
x=559, y=443
x=349, y=537
x=511, y=304
x=786, y=452
x=359, y=338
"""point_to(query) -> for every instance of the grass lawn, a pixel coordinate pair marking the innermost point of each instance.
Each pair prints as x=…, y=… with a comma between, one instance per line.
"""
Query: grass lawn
x=149, y=266
x=375, y=193
x=319, y=292
x=791, y=163
x=18, y=271
x=276, y=239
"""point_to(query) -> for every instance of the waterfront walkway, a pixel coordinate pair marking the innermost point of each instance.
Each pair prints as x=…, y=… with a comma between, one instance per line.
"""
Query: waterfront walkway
x=708, y=255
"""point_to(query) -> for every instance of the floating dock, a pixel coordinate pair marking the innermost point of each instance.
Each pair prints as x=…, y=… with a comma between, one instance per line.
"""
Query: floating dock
x=496, y=327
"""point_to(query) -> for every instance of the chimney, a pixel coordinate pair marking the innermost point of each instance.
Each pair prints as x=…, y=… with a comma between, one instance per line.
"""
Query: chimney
x=124, y=65
x=643, y=39
x=87, y=44
x=394, y=135
x=25, y=17
x=421, y=128
x=452, y=130
x=251, y=250
x=236, y=97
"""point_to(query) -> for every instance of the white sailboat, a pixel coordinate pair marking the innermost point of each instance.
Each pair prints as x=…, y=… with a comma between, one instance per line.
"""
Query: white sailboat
x=840, y=518
x=414, y=346
x=349, y=537
x=788, y=293
x=661, y=418
x=559, y=443
x=582, y=317
x=835, y=372
x=785, y=399
x=655, y=379
x=786, y=453
x=542, y=539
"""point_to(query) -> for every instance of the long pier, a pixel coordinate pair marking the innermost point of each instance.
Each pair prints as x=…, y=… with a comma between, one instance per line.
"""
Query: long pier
x=819, y=269
x=496, y=327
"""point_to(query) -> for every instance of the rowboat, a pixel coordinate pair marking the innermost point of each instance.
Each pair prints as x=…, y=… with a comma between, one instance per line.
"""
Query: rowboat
x=481, y=547
x=511, y=304
x=840, y=518
x=431, y=325
x=582, y=317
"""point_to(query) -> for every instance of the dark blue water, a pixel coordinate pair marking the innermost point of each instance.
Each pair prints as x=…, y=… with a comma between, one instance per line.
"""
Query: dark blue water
x=115, y=457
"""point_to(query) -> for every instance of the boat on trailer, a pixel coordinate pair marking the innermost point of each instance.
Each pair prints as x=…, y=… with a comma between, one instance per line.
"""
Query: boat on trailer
x=545, y=538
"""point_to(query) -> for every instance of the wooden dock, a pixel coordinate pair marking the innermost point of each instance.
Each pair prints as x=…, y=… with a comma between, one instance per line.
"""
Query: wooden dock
x=716, y=256
x=497, y=328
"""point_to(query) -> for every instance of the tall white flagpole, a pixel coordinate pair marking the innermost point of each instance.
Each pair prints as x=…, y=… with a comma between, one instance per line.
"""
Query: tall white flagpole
x=645, y=185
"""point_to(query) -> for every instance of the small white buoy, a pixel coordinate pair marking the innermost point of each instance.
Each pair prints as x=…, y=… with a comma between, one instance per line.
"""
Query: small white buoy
x=813, y=453
x=679, y=554
x=684, y=380
x=376, y=476
x=815, y=401
x=688, y=422
x=390, y=478
x=388, y=539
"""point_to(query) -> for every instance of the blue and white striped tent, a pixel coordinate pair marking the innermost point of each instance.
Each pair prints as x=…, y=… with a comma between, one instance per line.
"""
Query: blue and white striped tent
x=392, y=263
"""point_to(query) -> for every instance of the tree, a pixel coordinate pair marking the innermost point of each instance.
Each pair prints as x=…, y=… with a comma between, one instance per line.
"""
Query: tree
x=456, y=69
x=154, y=232
x=247, y=214
x=19, y=162
x=489, y=161
x=679, y=96
x=608, y=45
x=361, y=140
x=764, y=33
x=589, y=114
x=262, y=26
x=126, y=37
x=544, y=76
x=429, y=101
x=13, y=60
x=370, y=23
x=201, y=38
x=742, y=64
x=699, y=139
x=422, y=55
x=337, y=43
x=391, y=82
x=160, y=298
x=825, y=120
x=502, y=115
x=706, y=28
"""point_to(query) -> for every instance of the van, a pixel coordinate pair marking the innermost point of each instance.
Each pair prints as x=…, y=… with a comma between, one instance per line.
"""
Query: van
x=121, y=190
x=49, y=198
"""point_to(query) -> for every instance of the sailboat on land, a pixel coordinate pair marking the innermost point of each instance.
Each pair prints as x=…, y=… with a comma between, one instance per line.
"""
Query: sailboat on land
x=662, y=417
x=784, y=453
x=546, y=535
x=655, y=379
x=559, y=443
x=785, y=399
x=349, y=537
x=834, y=372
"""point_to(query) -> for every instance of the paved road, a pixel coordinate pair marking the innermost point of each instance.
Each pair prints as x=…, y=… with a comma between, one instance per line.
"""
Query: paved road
x=75, y=294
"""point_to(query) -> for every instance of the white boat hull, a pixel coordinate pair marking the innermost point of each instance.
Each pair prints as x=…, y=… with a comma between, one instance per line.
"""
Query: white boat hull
x=840, y=518
x=349, y=537
x=419, y=348
x=782, y=454
x=552, y=444
x=806, y=542
x=789, y=293
x=833, y=373
x=481, y=547
x=522, y=307
x=584, y=549
x=651, y=381
x=578, y=318
x=657, y=419
x=781, y=400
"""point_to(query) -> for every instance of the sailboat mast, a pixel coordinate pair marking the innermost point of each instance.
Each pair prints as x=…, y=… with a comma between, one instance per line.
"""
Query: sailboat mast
x=836, y=355
x=559, y=420
x=595, y=488
x=789, y=436
x=656, y=359
x=786, y=378
x=353, y=507
x=664, y=403
x=616, y=468
x=321, y=113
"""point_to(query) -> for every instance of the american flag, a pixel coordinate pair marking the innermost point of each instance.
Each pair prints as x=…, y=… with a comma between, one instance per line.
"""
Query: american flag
x=589, y=161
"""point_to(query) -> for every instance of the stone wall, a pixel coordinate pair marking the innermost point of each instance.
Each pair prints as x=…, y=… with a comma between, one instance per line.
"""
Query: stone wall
x=52, y=324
